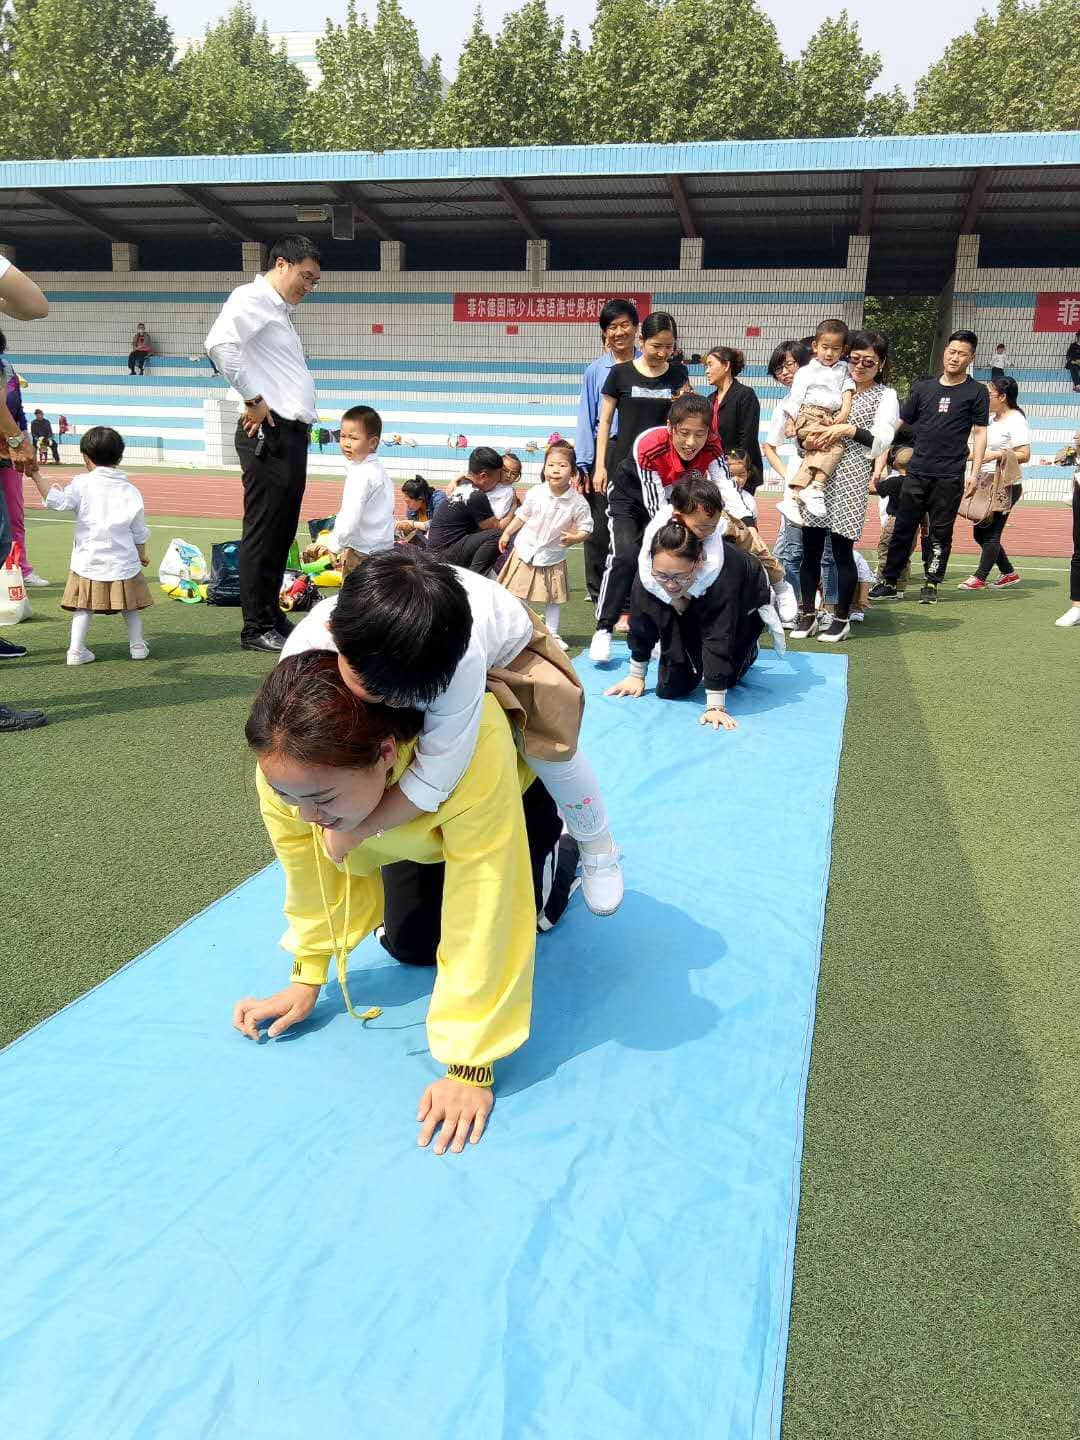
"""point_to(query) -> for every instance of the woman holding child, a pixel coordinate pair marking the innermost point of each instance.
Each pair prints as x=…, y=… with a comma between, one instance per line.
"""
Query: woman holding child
x=865, y=435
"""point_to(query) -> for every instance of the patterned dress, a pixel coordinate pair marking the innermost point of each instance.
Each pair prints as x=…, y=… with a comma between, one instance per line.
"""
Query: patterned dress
x=848, y=488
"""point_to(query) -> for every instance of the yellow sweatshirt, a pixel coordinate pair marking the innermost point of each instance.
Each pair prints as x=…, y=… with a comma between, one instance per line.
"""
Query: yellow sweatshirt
x=482, y=999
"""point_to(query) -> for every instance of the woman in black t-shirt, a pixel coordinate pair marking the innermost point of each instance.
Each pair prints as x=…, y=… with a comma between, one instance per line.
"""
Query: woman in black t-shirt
x=641, y=391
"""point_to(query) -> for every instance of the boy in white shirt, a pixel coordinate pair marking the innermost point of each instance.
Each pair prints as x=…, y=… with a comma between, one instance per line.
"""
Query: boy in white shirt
x=820, y=396
x=365, y=522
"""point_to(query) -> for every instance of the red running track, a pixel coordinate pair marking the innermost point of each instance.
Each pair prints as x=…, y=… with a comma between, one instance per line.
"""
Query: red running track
x=1032, y=530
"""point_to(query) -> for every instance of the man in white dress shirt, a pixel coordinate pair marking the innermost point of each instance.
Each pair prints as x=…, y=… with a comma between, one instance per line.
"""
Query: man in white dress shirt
x=256, y=348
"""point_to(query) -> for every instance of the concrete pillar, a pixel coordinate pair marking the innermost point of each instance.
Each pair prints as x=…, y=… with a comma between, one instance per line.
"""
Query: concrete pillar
x=956, y=310
x=858, y=258
x=691, y=252
x=125, y=257
x=391, y=257
x=253, y=257
x=219, y=428
x=537, y=254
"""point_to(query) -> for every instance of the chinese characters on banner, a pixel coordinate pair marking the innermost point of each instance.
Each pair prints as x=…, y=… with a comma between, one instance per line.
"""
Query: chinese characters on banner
x=531, y=308
x=1057, y=312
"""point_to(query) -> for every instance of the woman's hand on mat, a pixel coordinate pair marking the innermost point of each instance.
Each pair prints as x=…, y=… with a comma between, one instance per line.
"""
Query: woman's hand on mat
x=719, y=720
x=288, y=1007
x=459, y=1108
x=633, y=686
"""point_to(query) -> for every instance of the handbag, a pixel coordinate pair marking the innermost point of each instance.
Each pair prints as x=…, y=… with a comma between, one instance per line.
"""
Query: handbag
x=992, y=494
x=14, y=601
x=224, y=586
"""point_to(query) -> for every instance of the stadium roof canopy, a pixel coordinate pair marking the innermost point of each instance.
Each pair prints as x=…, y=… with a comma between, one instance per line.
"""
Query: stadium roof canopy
x=753, y=203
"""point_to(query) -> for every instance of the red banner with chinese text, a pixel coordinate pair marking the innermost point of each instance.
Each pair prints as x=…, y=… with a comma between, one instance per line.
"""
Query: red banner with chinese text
x=1057, y=312
x=546, y=308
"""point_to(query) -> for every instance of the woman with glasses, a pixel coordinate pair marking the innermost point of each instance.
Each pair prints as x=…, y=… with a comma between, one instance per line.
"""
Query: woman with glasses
x=867, y=434
x=706, y=623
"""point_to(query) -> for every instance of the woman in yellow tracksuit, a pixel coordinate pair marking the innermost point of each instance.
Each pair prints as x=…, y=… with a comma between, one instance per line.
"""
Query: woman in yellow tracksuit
x=455, y=886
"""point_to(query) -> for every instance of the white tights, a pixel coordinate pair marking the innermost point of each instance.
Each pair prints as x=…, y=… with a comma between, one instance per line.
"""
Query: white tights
x=551, y=618
x=80, y=628
x=573, y=785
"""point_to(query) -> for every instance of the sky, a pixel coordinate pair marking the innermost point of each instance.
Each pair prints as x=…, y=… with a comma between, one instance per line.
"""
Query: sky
x=906, y=47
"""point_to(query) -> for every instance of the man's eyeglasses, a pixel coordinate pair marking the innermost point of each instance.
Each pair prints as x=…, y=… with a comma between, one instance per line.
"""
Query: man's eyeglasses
x=311, y=282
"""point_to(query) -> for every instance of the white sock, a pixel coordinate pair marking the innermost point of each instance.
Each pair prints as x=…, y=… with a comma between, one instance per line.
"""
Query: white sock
x=80, y=626
x=551, y=618
x=133, y=621
x=573, y=785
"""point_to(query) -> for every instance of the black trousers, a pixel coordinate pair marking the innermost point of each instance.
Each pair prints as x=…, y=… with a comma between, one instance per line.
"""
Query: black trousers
x=138, y=358
x=938, y=497
x=847, y=577
x=596, y=544
x=477, y=552
x=412, y=893
x=1074, y=566
x=273, y=492
x=681, y=667
x=988, y=535
x=627, y=519
x=1073, y=368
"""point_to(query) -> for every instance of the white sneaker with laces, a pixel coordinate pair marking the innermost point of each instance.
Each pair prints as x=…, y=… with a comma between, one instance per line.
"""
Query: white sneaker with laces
x=602, y=881
x=600, y=647
x=1071, y=617
x=787, y=604
x=34, y=580
x=141, y=650
x=790, y=511
x=813, y=502
x=80, y=657
x=858, y=616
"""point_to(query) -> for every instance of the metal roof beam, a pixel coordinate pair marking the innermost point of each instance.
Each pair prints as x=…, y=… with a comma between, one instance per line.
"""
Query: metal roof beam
x=866, y=201
x=682, y=205
x=363, y=211
x=510, y=197
x=975, y=201
x=76, y=210
x=224, y=214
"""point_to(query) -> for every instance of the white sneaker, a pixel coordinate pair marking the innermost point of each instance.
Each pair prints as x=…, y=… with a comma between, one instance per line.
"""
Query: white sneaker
x=787, y=604
x=140, y=650
x=80, y=657
x=813, y=502
x=600, y=649
x=34, y=580
x=790, y=511
x=602, y=881
x=560, y=642
x=656, y=651
x=1071, y=616
x=858, y=616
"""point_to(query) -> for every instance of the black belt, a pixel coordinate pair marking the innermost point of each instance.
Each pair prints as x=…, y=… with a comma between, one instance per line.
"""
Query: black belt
x=303, y=425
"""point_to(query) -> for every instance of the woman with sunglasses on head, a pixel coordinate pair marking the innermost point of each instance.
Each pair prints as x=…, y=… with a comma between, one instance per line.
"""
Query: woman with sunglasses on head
x=703, y=615
x=866, y=436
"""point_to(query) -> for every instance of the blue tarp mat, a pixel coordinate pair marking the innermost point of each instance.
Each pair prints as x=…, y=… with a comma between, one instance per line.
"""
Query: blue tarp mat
x=208, y=1238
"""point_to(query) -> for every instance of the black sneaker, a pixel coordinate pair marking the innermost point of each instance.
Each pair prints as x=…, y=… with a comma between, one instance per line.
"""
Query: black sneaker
x=21, y=719
x=559, y=882
x=928, y=595
x=837, y=631
x=8, y=651
x=805, y=626
x=884, y=590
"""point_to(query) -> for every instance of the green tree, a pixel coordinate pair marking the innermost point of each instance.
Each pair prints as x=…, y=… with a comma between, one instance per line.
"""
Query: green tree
x=910, y=322
x=518, y=89
x=828, y=90
x=240, y=93
x=1015, y=70
x=616, y=95
x=377, y=91
x=90, y=77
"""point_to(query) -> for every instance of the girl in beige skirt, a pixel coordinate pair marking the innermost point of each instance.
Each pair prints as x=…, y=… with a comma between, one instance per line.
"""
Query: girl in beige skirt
x=552, y=516
x=110, y=544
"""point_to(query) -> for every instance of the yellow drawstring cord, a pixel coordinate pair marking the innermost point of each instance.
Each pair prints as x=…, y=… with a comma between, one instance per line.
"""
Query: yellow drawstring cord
x=340, y=951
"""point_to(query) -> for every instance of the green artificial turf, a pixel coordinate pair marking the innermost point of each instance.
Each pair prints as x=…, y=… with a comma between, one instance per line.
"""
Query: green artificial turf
x=937, y=1271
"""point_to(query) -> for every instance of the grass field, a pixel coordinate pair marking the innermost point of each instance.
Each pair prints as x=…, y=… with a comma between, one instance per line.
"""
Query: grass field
x=938, y=1262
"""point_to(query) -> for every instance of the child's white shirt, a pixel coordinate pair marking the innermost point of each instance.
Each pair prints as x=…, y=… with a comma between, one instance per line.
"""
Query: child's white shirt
x=546, y=517
x=109, y=523
x=501, y=499
x=365, y=522
x=818, y=384
x=502, y=627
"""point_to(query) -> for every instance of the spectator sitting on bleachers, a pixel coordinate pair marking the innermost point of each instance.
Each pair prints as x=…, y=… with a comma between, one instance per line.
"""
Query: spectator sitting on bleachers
x=141, y=350
x=1072, y=361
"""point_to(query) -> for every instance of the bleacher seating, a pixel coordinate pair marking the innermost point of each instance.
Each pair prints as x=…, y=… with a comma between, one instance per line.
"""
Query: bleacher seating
x=511, y=404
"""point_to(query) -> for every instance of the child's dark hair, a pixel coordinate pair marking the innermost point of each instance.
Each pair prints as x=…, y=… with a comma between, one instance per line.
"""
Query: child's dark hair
x=683, y=406
x=735, y=360
x=753, y=470
x=417, y=488
x=103, y=445
x=293, y=249
x=567, y=449
x=403, y=622
x=899, y=456
x=696, y=491
x=657, y=323
x=1007, y=388
x=614, y=310
x=369, y=420
x=833, y=326
x=509, y=455
x=304, y=711
x=675, y=539
x=484, y=459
